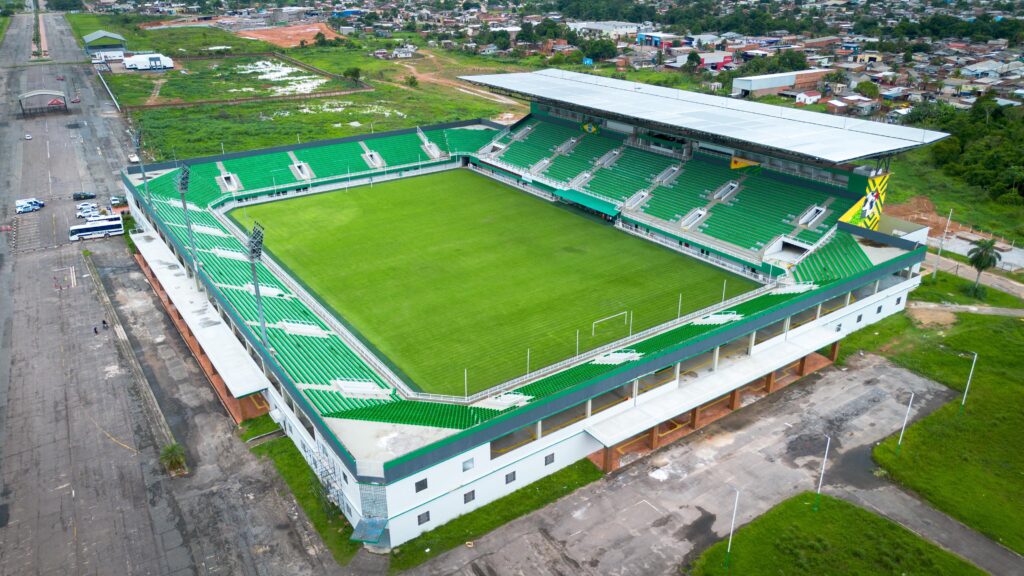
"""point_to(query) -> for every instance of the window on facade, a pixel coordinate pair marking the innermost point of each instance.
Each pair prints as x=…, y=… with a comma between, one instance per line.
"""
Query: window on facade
x=549, y=459
x=898, y=300
x=467, y=465
x=469, y=497
x=344, y=478
x=510, y=477
x=421, y=485
x=423, y=518
x=839, y=327
x=859, y=317
x=879, y=311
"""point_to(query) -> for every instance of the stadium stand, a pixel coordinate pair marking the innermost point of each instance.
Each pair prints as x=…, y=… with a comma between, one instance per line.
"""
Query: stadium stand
x=399, y=150
x=540, y=143
x=333, y=159
x=265, y=171
x=461, y=139
x=690, y=189
x=838, y=258
x=329, y=401
x=581, y=158
x=421, y=414
x=633, y=171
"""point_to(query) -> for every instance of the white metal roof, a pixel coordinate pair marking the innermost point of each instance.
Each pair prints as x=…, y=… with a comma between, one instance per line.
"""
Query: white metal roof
x=811, y=134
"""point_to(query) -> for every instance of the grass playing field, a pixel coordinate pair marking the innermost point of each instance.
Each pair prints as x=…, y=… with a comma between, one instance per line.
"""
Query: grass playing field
x=454, y=271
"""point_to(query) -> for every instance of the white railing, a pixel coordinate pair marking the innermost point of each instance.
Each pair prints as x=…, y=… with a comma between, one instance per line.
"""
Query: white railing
x=660, y=225
x=814, y=247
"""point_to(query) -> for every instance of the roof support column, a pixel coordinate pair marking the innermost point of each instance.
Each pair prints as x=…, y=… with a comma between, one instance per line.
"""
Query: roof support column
x=714, y=361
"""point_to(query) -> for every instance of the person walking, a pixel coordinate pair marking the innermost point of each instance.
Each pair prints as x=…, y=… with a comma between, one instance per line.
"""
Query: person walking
x=94, y=330
x=105, y=324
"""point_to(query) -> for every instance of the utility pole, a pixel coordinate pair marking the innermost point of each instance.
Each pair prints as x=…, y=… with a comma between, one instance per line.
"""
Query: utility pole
x=183, y=176
x=942, y=242
x=255, y=252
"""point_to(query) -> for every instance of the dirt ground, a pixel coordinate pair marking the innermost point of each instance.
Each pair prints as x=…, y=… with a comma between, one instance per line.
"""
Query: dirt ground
x=290, y=36
x=931, y=317
x=921, y=210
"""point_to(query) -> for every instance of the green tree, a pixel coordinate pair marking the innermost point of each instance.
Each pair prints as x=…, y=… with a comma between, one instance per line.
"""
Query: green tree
x=982, y=257
x=867, y=88
x=946, y=151
x=692, y=60
x=411, y=81
x=172, y=456
x=353, y=73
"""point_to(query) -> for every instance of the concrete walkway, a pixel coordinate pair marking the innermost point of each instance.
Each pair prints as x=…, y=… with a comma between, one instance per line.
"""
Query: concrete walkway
x=919, y=517
x=648, y=519
x=967, y=273
x=987, y=310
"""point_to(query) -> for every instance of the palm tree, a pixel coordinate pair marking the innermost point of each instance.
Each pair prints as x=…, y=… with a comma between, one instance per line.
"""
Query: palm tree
x=172, y=456
x=982, y=257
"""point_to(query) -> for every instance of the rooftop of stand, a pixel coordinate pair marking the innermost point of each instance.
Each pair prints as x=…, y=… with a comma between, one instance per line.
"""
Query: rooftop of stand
x=812, y=135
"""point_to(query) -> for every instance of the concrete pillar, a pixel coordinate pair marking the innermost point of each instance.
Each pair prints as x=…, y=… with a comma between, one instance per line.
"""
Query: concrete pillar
x=834, y=353
x=769, y=382
x=538, y=431
x=590, y=407
x=849, y=297
x=878, y=284
x=734, y=399
x=803, y=366
x=750, y=344
x=818, y=313
x=695, y=417
x=653, y=437
x=608, y=460
x=785, y=325
x=636, y=388
x=714, y=362
x=679, y=367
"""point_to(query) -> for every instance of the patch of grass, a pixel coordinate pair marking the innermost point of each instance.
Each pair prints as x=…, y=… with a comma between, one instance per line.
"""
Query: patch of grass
x=947, y=288
x=5, y=22
x=172, y=42
x=199, y=130
x=875, y=336
x=258, y=426
x=475, y=524
x=791, y=103
x=914, y=175
x=471, y=274
x=328, y=521
x=839, y=538
x=213, y=80
x=969, y=465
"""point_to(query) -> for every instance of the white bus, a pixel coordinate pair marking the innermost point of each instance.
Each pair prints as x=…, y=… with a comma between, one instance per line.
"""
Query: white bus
x=97, y=227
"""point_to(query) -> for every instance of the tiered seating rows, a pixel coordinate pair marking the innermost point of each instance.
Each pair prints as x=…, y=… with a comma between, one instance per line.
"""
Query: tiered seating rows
x=275, y=308
x=313, y=360
x=263, y=171
x=689, y=190
x=399, y=150
x=581, y=158
x=329, y=401
x=334, y=159
x=840, y=257
x=632, y=172
x=461, y=139
x=540, y=143
x=435, y=415
x=763, y=209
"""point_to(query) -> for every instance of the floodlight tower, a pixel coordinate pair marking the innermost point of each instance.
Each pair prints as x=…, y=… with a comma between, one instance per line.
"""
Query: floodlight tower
x=137, y=145
x=183, y=176
x=255, y=251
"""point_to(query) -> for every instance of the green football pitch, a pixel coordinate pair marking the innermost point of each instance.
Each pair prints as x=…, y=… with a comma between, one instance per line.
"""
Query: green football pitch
x=455, y=272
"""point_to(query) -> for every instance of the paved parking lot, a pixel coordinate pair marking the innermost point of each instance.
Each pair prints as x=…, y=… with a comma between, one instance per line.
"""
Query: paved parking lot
x=653, y=520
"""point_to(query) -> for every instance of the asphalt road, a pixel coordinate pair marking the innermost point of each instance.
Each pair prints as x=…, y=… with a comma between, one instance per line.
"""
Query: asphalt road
x=81, y=489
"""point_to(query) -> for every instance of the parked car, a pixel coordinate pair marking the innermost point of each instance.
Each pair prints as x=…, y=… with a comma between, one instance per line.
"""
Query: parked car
x=87, y=205
x=133, y=158
x=83, y=196
x=25, y=208
x=61, y=78
x=33, y=201
x=76, y=100
x=28, y=136
x=118, y=201
x=87, y=213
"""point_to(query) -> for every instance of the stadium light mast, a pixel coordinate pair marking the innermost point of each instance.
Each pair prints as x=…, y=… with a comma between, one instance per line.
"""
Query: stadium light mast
x=255, y=251
x=183, y=176
x=137, y=145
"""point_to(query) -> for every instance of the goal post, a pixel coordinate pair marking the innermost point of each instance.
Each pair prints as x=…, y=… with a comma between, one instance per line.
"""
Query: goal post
x=593, y=325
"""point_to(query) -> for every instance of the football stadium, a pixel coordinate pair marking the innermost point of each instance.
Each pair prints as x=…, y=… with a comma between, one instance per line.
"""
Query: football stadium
x=439, y=316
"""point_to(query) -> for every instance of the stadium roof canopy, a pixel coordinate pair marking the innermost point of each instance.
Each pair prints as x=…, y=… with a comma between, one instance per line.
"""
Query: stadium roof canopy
x=94, y=36
x=813, y=135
